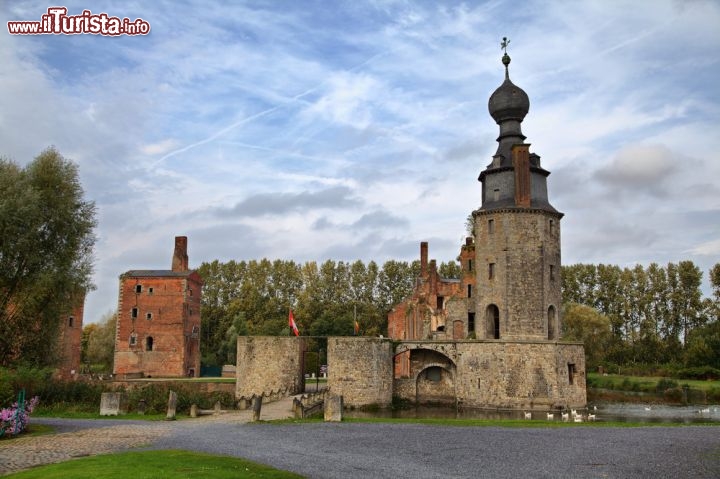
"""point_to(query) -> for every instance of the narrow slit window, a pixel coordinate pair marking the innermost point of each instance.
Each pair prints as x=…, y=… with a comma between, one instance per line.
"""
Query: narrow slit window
x=552, y=272
x=134, y=313
x=71, y=322
x=491, y=226
x=571, y=373
x=440, y=302
x=469, y=289
x=491, y=271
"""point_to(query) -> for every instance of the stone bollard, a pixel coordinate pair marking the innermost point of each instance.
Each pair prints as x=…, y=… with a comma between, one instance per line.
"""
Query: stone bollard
x=172, y=406
x=333, y=408
x=256, y=407
x=112, y=404
x=194, y=411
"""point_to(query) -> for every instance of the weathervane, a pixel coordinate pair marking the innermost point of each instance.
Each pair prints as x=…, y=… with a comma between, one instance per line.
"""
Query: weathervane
x=506, y=57
x=504, y=44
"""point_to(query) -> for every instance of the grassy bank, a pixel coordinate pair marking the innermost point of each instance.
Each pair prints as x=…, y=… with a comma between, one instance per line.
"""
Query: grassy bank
x=624, y=388
x=175, y=464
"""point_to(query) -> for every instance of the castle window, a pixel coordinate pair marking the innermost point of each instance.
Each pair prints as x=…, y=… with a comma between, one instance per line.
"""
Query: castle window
x=552, y=226
x=138, y=288
x=470, y=265
x=571, y=373
x=492, y=321
x=149, y=343
x=496, y=194
x=491, y=270
x=469, y=287
x=189, y=292
x=71, y=320
x=551, y=322
x=471, y=323
x=133, y=339
x=148, y=316
x=440, y=302
x=552, y=272
x=433, y=374
x=150, y=291
x=491, y=227
x=134, y=313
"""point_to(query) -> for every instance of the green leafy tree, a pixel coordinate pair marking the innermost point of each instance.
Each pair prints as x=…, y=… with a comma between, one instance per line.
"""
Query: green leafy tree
x=101, y=343
x=585, y=324
x=46, y=245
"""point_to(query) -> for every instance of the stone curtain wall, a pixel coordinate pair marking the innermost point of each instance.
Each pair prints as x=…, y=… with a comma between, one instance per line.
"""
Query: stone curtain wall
x=520, y=375
x=361, y=370
x=268, y=365
x=498, y=374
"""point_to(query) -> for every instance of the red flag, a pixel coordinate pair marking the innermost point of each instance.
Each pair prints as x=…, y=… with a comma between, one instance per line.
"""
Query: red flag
x=291, y=323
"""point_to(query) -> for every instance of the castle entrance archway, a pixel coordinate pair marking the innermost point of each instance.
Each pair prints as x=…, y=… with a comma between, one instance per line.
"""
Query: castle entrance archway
x=434, y=377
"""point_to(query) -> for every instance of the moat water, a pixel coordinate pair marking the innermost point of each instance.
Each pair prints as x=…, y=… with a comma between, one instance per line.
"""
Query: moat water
x=620, y=412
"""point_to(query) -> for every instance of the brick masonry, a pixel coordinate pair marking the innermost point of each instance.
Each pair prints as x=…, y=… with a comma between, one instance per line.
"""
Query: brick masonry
x=158, y=322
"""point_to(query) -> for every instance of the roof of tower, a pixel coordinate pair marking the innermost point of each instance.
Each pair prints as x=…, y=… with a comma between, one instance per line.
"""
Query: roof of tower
x=509, y=101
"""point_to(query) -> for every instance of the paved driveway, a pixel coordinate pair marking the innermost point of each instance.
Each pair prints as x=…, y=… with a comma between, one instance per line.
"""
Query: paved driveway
x=357, y=450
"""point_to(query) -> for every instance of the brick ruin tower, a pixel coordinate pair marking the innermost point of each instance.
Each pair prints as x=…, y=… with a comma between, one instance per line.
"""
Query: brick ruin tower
x=517, y=232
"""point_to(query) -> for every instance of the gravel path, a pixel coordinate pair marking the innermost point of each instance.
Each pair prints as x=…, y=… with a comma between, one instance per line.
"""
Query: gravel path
x=357, y=450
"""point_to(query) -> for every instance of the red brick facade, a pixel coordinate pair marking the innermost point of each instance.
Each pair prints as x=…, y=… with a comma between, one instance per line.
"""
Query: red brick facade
x=158, y=324
x=438, y=309
x=69, y=342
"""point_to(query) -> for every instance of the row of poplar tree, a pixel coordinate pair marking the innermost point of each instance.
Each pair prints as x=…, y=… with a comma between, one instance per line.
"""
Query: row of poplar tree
x=645, y=314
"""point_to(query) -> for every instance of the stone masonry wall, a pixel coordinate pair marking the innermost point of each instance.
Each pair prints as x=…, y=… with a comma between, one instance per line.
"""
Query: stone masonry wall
x=524, y=248
x=361, y=370
x=520, y=375
x=499, y=374
x=269, y=364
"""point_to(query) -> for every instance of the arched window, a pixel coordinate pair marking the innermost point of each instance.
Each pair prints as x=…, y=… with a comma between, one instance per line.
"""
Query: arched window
x=149, y=343
x=492, y=318
x=552, y=323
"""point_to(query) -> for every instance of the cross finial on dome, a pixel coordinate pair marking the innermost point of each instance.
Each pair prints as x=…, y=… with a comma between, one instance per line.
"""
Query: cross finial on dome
x=506, y=57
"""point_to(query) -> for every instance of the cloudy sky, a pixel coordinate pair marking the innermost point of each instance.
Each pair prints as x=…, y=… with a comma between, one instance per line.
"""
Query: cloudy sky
x=314, y=130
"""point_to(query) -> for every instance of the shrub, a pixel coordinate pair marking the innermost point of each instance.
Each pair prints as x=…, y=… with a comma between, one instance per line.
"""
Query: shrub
x=14, y=419
x=665, y=384
x=674, y=395
x=699, y=372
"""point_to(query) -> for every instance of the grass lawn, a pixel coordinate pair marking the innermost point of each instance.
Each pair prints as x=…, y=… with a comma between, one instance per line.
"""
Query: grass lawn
x=78, y=414
x=647, y=383
x=155, y=464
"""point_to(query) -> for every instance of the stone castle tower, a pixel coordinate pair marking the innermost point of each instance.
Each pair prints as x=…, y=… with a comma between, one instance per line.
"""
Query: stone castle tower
x=517, y=233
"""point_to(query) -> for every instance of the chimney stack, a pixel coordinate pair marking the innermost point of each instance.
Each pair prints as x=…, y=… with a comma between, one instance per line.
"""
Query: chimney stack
x=423, y=258
x=180, y=257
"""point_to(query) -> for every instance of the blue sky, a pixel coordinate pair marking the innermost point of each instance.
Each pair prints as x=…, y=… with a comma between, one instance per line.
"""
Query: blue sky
x=355, y=130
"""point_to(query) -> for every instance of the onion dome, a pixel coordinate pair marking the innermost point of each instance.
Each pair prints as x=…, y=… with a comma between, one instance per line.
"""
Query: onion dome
x=509, y=101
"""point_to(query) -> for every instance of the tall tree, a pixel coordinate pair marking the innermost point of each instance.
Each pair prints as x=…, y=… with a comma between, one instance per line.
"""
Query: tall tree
x=46, y=245
x=101, y=342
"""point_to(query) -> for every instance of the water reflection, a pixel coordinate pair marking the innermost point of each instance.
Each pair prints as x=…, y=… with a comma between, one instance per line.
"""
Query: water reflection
x=621, y=412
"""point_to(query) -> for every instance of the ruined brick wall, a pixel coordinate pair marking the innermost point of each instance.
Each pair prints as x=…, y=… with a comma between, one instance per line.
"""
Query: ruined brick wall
x=518, y=270
x=269, y=364
x=361, y=370
x=158, y=327
x=70, y=342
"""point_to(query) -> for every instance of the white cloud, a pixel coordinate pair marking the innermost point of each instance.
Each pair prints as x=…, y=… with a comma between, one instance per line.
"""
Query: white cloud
x=262, y=105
